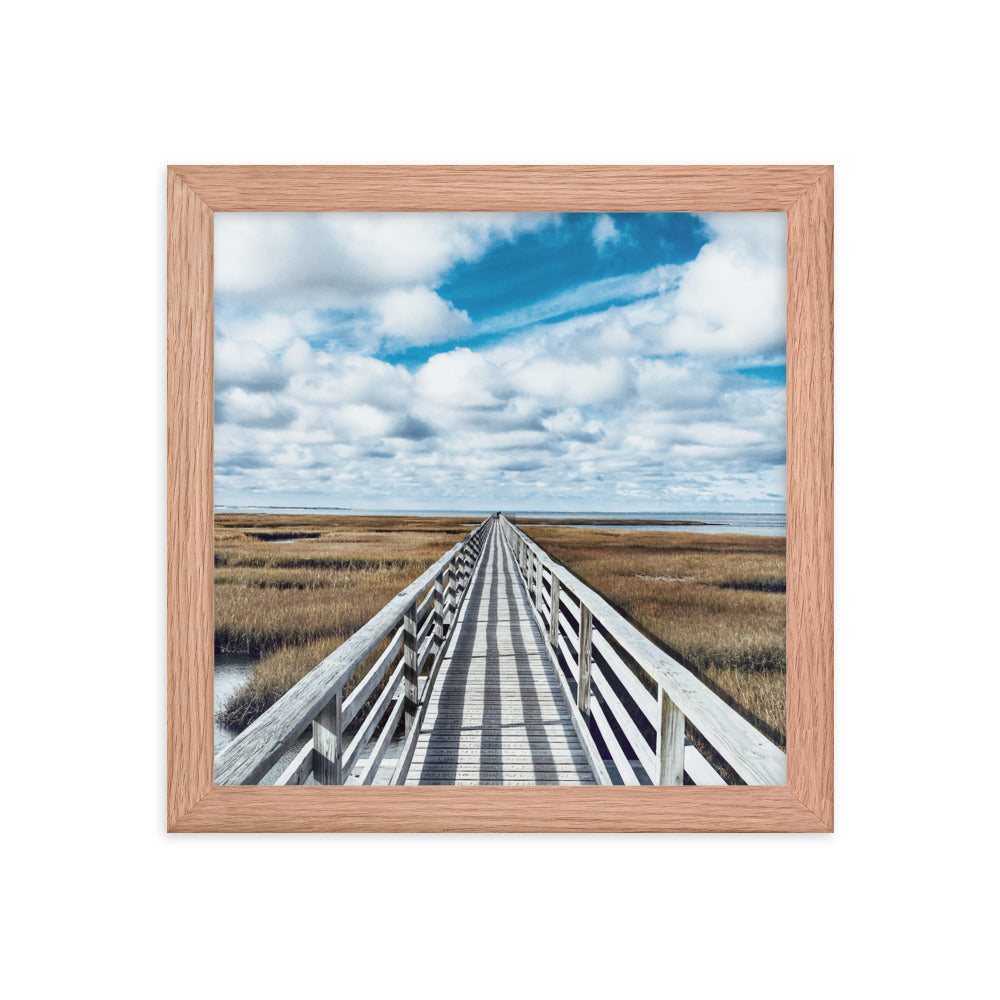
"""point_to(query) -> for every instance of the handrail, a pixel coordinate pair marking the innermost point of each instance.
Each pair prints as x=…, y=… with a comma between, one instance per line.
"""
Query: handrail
x=318, y=698
x=680, y=694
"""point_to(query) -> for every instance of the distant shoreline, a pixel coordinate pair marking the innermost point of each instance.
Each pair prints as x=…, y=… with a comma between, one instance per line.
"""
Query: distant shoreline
x=609, y=521
x=564, y=517
x=295, y=521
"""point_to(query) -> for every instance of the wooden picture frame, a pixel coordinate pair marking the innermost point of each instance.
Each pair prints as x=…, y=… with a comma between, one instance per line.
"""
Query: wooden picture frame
x=195, y=193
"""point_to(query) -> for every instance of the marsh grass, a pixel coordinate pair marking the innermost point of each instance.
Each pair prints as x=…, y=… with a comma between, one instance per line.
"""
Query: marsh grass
x=715, y=602
x=293, y=605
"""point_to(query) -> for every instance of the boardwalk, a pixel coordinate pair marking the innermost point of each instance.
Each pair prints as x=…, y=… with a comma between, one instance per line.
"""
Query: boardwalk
x=496, y=715
x=498, y=666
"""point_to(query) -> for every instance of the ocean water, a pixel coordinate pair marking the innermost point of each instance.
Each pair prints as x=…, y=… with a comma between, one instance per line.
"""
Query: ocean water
x=230, y=672
x=715, y=522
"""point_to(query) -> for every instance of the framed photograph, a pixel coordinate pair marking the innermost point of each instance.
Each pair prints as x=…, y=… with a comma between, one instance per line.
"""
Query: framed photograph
x=500, y=498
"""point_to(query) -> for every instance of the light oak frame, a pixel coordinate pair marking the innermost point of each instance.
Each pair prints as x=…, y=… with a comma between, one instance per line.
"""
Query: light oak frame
x=195, y=193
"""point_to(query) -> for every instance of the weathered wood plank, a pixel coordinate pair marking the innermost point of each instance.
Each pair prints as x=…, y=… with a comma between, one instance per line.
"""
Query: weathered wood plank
x=498, y=740
x=370, y=771
x=378, y=710
x=426, y=628
x=538, y=766
x=438, y=614
x=670, y=743
x=554, y=614
x=465, y=782
x=328, y=743
x=637, y=746
x=410, y=668
x=525, y=699
x=571, y=658
x=425, y=607
x=699, y=770
x=620, y=758
x=483, y=771
x=300, y=769
x=644, y=699
x=356, y=699
x=583, y=692
x=523, y=755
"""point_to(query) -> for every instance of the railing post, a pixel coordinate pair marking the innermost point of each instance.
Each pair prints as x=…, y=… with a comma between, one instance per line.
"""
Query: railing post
x=583, y=690
x=554, y=610
x=539, y=586
x=328, y=743
x=670, y=742
x=410, y=665
x=449, y=593
x=438, y=612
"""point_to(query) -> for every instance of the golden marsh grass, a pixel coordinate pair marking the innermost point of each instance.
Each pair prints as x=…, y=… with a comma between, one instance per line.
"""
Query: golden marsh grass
x=292, y=603
x=716, y=602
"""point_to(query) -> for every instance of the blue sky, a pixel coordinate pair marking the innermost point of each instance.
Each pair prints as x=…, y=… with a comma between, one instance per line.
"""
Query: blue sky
x=541, y=276
x=525, y=361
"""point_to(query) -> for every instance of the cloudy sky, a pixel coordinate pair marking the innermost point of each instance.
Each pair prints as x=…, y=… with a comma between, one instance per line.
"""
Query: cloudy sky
x=629, y=362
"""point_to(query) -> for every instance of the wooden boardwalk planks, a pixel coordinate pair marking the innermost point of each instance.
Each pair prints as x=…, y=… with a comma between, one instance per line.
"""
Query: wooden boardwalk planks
x=497, y=715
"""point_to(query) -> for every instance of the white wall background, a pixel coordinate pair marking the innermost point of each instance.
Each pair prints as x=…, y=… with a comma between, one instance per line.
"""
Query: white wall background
x=99, y=98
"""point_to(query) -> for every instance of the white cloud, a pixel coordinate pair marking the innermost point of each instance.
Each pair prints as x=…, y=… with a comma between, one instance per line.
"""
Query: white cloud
x=359, y=280
x=418, y=316
x=235, y=406
x=630, y=406
x=604, y=233
x=571, y=424
x=565, y=382
x=731, y=298
x=269, y=330
x=339, y=260
x=460, y=380
x=248, y=366
x=356, y=378
x=728, y=302
x=586, y=298
x=676, y=386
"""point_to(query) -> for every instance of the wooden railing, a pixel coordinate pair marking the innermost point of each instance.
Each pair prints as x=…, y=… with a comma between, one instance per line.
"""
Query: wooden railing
x=343, y=728
x=629, y=693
